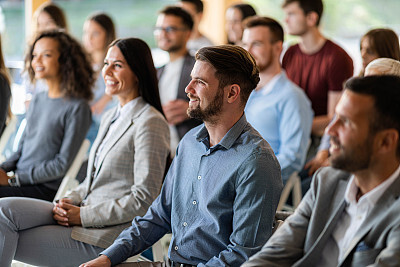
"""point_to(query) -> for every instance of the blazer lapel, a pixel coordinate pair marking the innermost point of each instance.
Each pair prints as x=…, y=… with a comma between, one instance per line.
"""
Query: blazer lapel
x=377, y=214
x=121, y=128
x=315, y=251
x=116, y=135
x=99, y=138
x=160, y=72
x=185, y=77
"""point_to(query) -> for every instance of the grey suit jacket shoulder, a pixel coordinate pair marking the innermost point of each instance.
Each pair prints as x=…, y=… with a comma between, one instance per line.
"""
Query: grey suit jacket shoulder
x=303, y=236
x=184, y=80
x=128, y=176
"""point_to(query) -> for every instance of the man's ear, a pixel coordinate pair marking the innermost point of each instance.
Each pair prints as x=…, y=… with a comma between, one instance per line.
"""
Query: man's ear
x=277, y=48
x=233, y=93
x=388, y=140
x=200, y=16
x=188, y=34
x=312, y=18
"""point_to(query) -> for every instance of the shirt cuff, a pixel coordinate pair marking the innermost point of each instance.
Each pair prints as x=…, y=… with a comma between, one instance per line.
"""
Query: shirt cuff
x=114, y=253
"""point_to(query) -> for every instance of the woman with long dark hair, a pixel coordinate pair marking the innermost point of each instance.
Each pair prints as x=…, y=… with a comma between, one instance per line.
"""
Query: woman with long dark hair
x=125, y=172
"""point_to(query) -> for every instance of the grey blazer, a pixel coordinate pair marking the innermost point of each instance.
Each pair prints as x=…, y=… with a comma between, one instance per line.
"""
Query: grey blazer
x=184, y=80
x=128, y=177
x=302, y=238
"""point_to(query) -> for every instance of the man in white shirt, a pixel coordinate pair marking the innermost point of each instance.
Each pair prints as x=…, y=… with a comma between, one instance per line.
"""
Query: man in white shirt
x=173, y=29
x=350, y=215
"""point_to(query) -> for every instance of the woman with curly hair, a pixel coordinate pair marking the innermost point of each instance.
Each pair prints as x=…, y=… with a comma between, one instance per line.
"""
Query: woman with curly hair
x=57, y=120
x=47, y=17
x=126, y=167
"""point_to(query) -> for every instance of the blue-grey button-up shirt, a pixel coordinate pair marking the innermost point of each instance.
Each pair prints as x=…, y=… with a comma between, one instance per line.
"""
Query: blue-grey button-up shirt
x=219, y=202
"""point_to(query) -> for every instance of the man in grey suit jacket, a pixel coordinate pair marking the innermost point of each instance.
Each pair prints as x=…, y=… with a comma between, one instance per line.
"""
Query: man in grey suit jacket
x=173, y=29
x=350, y=216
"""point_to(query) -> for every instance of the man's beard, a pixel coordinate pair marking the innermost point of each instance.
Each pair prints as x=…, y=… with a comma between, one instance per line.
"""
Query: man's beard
x=174, y=48
x=266, y=65
x=359, y=158
x=213, y=109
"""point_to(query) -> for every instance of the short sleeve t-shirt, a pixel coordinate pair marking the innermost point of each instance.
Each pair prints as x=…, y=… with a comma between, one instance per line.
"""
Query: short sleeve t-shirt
x=318, y=73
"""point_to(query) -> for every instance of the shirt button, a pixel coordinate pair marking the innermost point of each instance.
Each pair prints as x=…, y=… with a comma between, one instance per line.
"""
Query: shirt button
x=185, y=224
x=194, y=202
x=199, y=177
x=176, y=247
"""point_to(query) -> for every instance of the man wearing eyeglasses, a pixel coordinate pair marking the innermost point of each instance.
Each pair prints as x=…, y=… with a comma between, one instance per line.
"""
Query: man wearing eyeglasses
x=173, y=29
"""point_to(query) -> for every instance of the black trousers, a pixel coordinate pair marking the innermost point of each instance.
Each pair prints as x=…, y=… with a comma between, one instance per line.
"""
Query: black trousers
x=33, y=191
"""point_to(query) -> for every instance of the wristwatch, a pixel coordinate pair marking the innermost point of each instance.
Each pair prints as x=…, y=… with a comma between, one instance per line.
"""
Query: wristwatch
x=13, y=181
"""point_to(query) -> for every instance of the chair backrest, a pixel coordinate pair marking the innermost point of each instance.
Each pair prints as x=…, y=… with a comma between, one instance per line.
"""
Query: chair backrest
x=293, y=185
x=18, y=135
x=8, y=131
x=159, y=250
x=69, y=182
x=280, y=217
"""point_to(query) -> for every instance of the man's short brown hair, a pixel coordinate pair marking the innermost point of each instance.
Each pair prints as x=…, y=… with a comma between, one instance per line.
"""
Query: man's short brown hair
x=234, y=65
x=274, y=26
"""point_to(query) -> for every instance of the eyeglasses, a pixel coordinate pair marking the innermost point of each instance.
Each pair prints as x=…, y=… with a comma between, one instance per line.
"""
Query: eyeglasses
x=169, y=29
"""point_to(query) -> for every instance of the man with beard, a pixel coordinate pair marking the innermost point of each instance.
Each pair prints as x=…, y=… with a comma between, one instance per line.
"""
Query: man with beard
x=221, y=192
x=350, y=215
x=278, y=109
x=173, y=30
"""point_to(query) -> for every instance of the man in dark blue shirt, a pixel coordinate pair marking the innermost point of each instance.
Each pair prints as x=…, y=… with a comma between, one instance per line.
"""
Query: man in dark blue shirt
x=221, y=192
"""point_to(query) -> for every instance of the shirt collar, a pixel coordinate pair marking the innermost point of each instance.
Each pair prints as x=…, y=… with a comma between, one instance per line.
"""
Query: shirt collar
x=126, y=109
x=372, y=196
x=230, y=137
x=271, y=84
